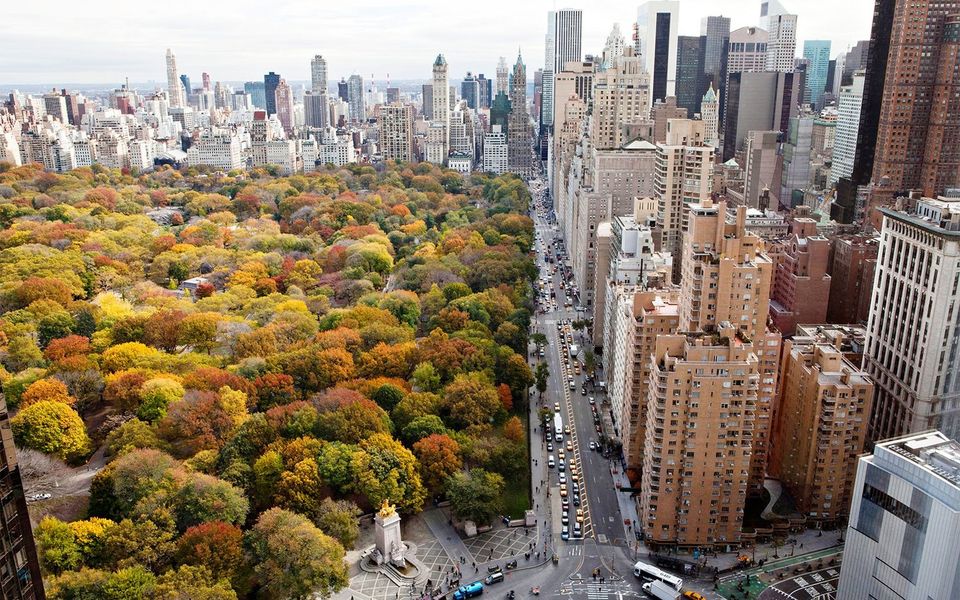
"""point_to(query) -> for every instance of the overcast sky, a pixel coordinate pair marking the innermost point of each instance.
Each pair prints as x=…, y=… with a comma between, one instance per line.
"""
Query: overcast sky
x=102, y=41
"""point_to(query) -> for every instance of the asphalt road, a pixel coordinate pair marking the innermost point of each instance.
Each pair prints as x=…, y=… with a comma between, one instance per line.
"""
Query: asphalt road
x=603, y=546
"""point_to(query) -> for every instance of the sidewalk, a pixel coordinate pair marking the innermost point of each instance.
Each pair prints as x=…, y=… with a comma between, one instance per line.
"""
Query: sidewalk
x=449, y=539
x=628, y=506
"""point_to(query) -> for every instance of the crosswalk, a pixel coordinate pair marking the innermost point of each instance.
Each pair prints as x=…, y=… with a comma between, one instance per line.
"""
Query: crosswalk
x=593, y=590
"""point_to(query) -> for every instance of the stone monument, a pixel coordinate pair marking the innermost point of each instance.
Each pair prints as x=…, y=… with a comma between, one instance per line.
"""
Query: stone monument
x=389, y=546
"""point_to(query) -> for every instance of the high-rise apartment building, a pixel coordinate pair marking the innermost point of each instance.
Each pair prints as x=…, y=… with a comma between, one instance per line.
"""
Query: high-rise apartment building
x=426, y=97
x=796, y=179
x=355, y=98
x=801, y=285
x=913, y=331
x=396, y=132
x=818, y=53
x=174, y=85
x=562, y=45
x=21, y=568
x=270, y=82
x=636, y=319
x=284, y=100
x=848, y=125
x=621, y=95
x=662, y=112
x=820, y=426
x=495, y=151
x=690, y=57
x=918, y=138
x=682, y=177
x=711, y=389
x=55, y=106
x=782, y=43
x=904, y=521
x=440, y=118
x=316, y=110
x=655, y=42
x=518, y=123
x=576, y=78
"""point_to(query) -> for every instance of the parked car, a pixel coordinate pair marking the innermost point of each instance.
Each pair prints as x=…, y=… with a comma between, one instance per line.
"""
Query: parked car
x=470, y=590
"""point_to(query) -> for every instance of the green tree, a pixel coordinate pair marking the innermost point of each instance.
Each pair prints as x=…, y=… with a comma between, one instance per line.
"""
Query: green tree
x=542, y=374
x=206, y=498
x=53, y=428
x=476, y=495
x=293, y=559
x=191, y=583
x=340, y=520
x=421, y=427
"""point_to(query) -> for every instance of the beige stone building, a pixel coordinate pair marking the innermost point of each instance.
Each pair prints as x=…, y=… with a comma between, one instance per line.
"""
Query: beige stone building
x=683, y=176
x=621, y=95
x=821, y=425
x=396, y=132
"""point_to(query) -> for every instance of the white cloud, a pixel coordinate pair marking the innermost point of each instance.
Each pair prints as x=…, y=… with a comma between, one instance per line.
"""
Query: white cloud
x=55, y=42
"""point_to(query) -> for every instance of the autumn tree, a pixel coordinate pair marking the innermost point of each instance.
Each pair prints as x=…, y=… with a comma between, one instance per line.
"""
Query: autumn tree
x=439, y=458
x=51, y=427
x=470, y=399
x=385, y=470
x=216, y=545
x=294, y=559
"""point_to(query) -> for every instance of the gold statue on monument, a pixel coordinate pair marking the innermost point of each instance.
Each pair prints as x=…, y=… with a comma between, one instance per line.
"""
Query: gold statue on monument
x=387, y=509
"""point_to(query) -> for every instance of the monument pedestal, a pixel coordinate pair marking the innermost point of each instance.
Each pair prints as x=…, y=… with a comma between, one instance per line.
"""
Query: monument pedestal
x=387, y=537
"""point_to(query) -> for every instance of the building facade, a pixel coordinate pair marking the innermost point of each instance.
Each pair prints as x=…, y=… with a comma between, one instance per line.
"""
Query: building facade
x=396, y=132
x=913, y=330
x=904, y=521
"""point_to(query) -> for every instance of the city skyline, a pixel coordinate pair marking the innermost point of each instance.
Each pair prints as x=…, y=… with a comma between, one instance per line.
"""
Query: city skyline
x=219, y=41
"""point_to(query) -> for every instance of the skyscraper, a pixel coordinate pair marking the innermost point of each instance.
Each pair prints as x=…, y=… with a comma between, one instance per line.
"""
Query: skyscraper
x=438, y=141
x=844, y=207
x=768, y=10
x=914, y=327
x=904, y=521
x=656, y=32
x=716, y=46
x=848, y=124
x=519, y=153
x=614, y=46
x=757, y=102
x=185, y=80
x=919, y=120
x=485, y=87
x=343, y=90
x=318, y=75
x=396, y=132
x=818, y=53
x=426, y=97
x=258, y=93
x=174, y=85
x=503, y=78
x=270, y=82
x=355, y=98
x=562, y=45
x=205, y=80
x=710, y=113
x=782, y=43
x=284, y=100
x=690, y=52
x=470, y=91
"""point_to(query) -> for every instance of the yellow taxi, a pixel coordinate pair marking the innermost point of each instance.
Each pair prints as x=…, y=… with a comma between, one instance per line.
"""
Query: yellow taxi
x=569, y=445
x=580, y=515
x=563, y=490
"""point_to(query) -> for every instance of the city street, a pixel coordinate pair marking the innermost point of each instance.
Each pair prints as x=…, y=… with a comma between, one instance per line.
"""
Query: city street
x=607, y=544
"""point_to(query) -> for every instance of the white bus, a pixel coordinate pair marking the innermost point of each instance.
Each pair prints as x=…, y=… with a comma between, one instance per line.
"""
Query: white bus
x=649, y=572
x=557, y=424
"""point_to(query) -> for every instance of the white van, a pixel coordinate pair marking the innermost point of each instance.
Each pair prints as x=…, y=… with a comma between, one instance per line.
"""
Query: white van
x=551, y=462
